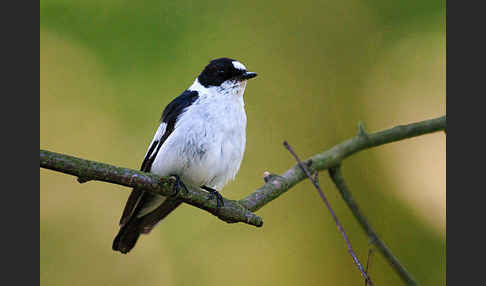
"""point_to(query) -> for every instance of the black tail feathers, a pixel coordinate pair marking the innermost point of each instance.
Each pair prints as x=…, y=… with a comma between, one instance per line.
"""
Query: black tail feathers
x=127, y=237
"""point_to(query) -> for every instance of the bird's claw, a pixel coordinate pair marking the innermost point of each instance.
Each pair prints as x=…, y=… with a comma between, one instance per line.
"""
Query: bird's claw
x=212, y=194
x=177, y=186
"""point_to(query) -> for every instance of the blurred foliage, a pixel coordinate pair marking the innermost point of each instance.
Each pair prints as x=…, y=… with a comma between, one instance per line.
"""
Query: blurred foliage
x=107, y=69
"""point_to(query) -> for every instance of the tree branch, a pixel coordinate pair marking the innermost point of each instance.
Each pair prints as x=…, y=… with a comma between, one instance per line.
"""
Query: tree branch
x=237, y=211
x=87, y=170
x=337, y=178
x=276, y=185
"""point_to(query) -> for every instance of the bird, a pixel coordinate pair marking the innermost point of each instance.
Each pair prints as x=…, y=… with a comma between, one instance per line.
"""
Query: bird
x=200, y=141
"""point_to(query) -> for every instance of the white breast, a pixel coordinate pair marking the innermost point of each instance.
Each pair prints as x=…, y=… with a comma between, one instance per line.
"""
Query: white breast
x=208, y=142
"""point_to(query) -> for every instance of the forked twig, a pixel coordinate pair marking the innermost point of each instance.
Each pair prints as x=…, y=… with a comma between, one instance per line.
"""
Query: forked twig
x=337, y=178
x=326, y=202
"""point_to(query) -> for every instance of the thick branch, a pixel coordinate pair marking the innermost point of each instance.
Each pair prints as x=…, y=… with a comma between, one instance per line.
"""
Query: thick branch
x=337, y=178
x=234, y=211
x=276, y=185
x=87, y=170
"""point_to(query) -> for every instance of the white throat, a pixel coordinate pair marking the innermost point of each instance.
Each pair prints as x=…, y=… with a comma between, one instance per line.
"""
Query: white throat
x=232, y=88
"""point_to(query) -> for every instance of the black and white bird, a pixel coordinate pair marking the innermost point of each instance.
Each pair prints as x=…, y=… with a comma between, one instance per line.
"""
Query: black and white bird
x=200, y=141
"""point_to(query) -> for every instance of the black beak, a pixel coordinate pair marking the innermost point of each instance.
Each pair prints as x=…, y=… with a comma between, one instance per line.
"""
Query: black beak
x=248, y=75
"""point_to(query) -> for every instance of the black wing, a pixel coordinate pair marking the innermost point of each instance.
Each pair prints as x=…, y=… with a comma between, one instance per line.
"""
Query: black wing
x=169, y=116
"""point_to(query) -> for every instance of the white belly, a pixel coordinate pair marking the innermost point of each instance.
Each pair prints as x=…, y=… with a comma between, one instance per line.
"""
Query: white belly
x=206, y=146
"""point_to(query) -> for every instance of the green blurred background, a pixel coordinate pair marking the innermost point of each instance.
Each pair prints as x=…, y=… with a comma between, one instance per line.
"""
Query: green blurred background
x=108, y=68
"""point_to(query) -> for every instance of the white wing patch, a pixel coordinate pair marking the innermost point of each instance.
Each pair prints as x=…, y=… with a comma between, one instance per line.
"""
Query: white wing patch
x=239, y=65
x=157, y=200
x=158, y=135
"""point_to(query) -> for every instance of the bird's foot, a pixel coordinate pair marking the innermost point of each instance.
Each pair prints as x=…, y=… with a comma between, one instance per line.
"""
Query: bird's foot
x=178, y=185
x=212, y=194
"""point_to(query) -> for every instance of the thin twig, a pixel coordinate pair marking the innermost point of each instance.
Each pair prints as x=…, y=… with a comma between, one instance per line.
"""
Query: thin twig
x=323, y=197
x=368, y=262
x=338, y=180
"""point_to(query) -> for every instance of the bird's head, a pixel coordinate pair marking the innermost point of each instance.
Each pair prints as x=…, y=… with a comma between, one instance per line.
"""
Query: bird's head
x=224, y=72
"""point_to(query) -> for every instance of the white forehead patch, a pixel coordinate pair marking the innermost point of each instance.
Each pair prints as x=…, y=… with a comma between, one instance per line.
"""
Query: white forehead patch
x=238, y=65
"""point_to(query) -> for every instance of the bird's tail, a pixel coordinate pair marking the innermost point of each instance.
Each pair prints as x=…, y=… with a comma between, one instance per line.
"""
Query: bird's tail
x=127, y=237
